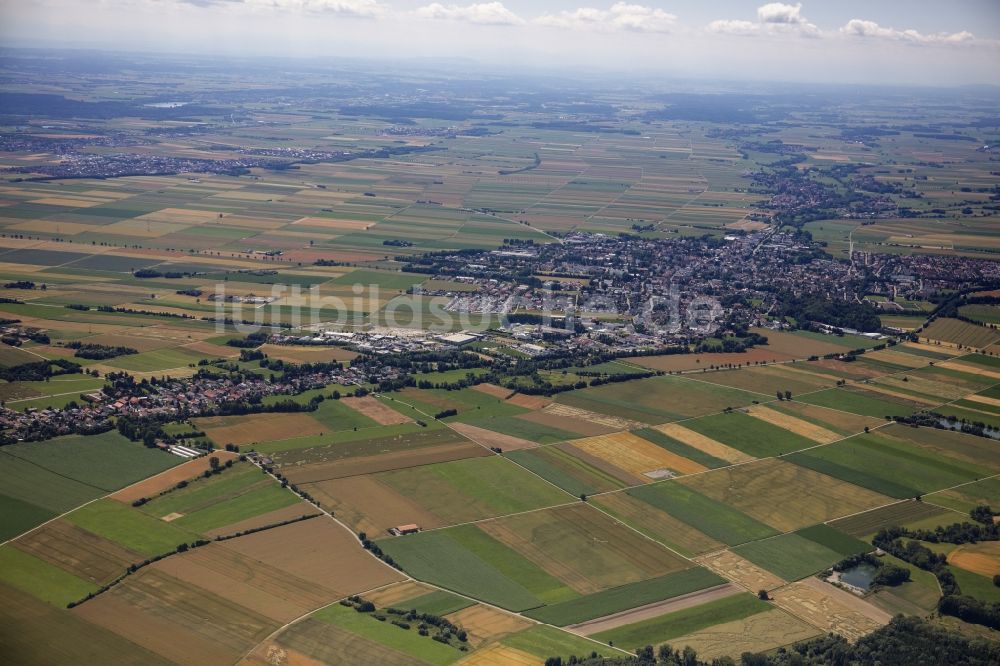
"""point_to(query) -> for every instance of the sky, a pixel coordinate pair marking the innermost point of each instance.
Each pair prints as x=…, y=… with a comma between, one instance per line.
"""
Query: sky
x=904, y=42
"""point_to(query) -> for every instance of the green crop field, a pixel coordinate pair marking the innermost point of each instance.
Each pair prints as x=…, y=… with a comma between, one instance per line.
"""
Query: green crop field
x=565, y=470
x=717, y=520
x=437, y=602
x=544, y=642
x=799, y=554
x=107, y=461
x=129, y=527
x=41, y=579
x=658, y=399
x=858, y=401
x=439, y=558
x=748, y=434
x=474, y=488
x=622, y=598
x=408, y=642
x=512, y=564
x=517, y=427
x=976, y=586
x=967, y=497
x=887, y=466
x=662, y=629
x=236, y=494
x=18, y=516
x=906, y=514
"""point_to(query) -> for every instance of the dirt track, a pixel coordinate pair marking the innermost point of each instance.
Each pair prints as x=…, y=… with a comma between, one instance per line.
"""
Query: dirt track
x=653, y=610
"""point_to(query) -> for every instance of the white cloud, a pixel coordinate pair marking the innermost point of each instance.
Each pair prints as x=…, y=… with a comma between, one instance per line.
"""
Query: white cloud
x=734, y=27
x=355, y=8
x=620, y=16
x=485, y=13
x=774, y=18
x=870, y=29
x=779, y=12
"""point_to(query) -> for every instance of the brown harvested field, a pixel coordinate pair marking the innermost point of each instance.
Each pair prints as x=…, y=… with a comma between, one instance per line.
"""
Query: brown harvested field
x=906, y=397
x=367, y=505
x=970, y=368
x=939, y=349
x=783, y=495
x=635, y=454
x=290, y=512
x=139, y=343
x=254, y=428
x=184, y=624
x=684, y=362
x=758, y=633
x=426, y=455
x=529, y=401
x=830, y=608
x=845, y=421
x=320, y=551
x=77, y=551
x=377, y=411
x=439, y=400
x=626, y=478
x=655, y=523
x=584, y=548
x=797, y=346
x=500, y=655
x=793, y=424
x=398, y=593
x=703, y=443
x=270, y=653
x=307, y=354
x=35, y=632
x=567, y=423
x=492, y=438
x=982, y=558
x=849, y=370
x=898, y=358
x=209, y=349
x=767, y=379
x=250, y=583
x=494, y=390
x=649, y=611
x=616, y=422
x=155, y=485
x=484, y=623
x=338, y=224
x=732, y=567
x=983, y=400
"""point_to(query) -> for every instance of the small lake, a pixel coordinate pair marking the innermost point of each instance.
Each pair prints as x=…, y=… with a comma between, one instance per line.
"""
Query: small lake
x=860, y=576
x=166, y=105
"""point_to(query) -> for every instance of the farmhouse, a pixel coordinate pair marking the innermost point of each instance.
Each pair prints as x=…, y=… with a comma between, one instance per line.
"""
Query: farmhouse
x=401, y=530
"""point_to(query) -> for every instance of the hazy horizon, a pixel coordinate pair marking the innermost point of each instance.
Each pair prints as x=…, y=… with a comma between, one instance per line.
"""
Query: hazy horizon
x=877, y=42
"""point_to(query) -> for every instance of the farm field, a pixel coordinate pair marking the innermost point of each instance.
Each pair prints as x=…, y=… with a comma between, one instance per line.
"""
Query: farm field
x=528, y=560
x=889, y=462
x=782, y=495
x=44, y=479
x=455, y=346
x=956, y=332
x=435, y=495
x=645, y=400
x=763, y=631
x=795, y=555
x=664, y=628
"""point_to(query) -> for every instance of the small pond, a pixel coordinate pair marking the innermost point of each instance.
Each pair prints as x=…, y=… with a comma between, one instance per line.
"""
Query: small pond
x=860, y=576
